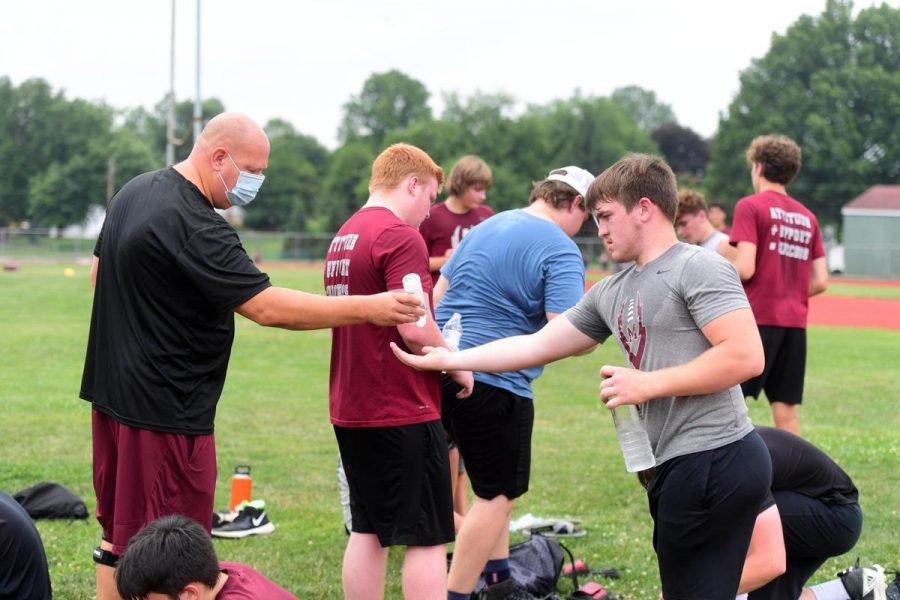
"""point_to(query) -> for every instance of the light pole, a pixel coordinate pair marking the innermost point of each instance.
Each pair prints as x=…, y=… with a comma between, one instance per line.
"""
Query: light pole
x=170, y=120
x=197, y=109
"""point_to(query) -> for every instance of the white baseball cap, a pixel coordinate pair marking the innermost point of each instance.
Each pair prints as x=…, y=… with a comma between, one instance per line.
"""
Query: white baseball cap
x=576, y=177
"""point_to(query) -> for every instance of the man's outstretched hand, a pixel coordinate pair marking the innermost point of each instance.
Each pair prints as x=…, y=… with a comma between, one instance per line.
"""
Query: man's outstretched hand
x=394, y=308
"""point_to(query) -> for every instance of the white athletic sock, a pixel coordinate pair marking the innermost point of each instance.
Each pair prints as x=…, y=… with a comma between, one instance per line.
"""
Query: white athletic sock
x=741, y=597
x=830, y=590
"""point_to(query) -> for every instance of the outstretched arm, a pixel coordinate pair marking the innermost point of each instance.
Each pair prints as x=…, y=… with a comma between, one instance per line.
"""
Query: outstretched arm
x=291, y=309
x=429, y=336
x=735, y=355
x=557, y=339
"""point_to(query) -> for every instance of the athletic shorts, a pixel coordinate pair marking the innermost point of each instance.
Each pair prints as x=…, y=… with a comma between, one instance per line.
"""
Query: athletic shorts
x=813, y=532
x=704, y=506
x=782, y=377
x=399, y=483
x=141, y=475
x=492, y=428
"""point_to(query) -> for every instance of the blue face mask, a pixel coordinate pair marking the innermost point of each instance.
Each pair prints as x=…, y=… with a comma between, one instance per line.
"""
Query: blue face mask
x=246, y=187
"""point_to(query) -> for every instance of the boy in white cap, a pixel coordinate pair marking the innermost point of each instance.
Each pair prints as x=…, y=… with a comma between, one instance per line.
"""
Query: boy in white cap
x=508, y=276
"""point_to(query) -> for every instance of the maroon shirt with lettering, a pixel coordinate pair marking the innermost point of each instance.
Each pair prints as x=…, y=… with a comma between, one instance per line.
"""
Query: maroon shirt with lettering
x=444, y=229
x=369, y=387
x=245, y=583
x=787, y=239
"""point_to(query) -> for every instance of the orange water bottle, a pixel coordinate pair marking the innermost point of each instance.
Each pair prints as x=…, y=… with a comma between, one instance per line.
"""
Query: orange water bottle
x=241, y=485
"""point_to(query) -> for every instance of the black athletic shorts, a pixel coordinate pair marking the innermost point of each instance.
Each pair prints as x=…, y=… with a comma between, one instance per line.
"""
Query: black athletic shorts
x=399, y=483
x=813, y=532
x=492, y=428
x=704, y=506
x=782, y=377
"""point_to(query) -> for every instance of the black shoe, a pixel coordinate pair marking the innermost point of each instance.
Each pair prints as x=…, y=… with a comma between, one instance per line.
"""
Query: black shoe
x=251, y=520
x=223, y=517
x=893, y=589
x=864, y=583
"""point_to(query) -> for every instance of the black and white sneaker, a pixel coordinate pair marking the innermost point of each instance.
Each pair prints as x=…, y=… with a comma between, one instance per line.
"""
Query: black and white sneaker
x=893, y=588
x=251, y=520
x=223, y=517
x=864, y=583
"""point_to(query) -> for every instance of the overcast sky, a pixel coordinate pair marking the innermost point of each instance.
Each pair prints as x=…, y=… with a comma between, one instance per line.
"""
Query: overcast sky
x=302, y=60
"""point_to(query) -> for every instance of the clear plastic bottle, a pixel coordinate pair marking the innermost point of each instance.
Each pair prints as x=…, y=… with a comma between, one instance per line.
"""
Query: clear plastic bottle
x=412, y=284
x=633, y=439
x=452, y=331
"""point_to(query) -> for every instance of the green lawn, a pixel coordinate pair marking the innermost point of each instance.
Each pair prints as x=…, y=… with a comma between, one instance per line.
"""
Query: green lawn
x=837, y=288
x=274, y=416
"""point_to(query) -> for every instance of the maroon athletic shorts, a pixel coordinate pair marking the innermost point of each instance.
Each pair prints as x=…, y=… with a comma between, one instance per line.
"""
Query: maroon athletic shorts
x=141, y=475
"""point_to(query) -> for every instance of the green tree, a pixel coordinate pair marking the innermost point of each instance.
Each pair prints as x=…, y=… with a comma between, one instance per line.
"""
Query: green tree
x=152, y=125
x=832, y=83
x=643, y=107
x=592, y=132
x=297, y=166
x=61, y=194
x=684, y=149
x=388, y=102
x=442, y=140
x=346, y=185
x=39, y=128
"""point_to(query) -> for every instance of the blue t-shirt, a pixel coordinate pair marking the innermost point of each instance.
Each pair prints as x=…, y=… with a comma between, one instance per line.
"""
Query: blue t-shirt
x=505, y=275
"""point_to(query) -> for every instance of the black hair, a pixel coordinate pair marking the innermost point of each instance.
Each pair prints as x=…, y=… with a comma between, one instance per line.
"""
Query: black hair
x=164, y=557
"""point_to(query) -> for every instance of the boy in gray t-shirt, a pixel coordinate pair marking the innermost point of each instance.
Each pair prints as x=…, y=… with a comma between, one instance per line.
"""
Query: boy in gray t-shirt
x=656, y=315
x=685, y=326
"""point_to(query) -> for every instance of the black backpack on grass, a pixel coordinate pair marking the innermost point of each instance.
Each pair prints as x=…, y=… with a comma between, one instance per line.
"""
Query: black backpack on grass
x=49, y=500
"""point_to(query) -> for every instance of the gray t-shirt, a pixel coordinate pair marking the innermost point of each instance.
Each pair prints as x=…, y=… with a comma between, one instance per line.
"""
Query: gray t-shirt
x=713, y=241
x=655, y=315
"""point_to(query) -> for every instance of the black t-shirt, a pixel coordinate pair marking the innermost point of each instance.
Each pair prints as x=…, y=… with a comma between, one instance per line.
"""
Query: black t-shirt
x=23, y=563
x=171, y=273
x=800, y=467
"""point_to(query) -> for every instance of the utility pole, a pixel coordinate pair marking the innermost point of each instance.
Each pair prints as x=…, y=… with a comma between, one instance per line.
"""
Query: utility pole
x=170, y=120
x=198, y=117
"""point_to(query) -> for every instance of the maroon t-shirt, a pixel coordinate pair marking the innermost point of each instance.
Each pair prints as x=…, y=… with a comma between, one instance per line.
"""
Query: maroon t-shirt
x=444, y=229
x=245, y=583
x=369, y=387
x=787, y=239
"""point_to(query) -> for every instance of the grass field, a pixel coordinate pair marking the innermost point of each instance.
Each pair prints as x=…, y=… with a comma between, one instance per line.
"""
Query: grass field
x=274, y=415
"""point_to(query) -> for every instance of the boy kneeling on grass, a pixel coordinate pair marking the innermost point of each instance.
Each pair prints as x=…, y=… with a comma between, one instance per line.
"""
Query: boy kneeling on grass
x=173, y=557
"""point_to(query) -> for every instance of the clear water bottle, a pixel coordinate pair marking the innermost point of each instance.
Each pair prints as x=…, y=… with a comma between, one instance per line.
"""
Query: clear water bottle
x=412, y=284
x=452, y=331
x=633, y=439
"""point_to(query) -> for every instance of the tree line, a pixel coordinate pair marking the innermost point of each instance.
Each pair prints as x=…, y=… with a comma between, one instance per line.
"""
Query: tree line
x=831, y=82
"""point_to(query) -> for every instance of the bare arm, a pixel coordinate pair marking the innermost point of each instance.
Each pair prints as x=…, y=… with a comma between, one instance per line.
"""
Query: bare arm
x=417, y=338
x=436, y=262
x=291, y=309
x=439, y=288
x=735, y=356
x=557, y=339
x=745, y=260
x=766, y=556
x=95, y=264
x=553, y=315
x=727, y=250
x=818, y=282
